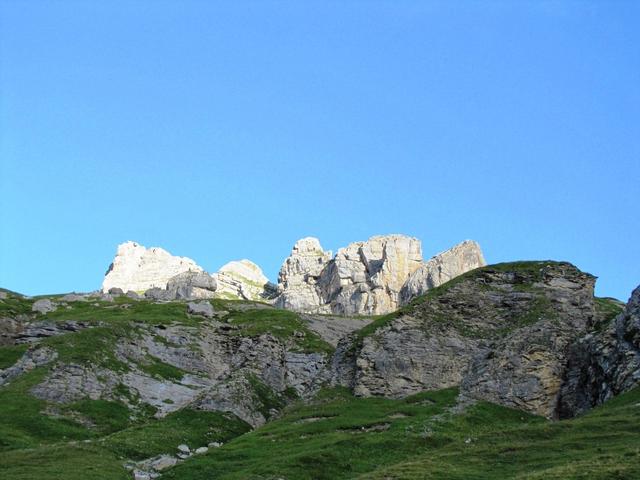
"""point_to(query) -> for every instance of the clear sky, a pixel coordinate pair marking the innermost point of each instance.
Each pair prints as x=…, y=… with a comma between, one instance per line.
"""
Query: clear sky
x=228, y=130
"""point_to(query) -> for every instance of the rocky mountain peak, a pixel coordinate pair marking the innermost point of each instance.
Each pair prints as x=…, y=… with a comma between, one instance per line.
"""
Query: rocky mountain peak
x=367, y=277
x=138, y=269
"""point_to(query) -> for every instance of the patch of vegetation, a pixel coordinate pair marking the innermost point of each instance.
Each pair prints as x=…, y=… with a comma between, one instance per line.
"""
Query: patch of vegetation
x=607, y=309
x=67, y=461
x=22, y=421
x=265, y=398
x=10, y=354
x=105, y=416
x=282, y=324
x=14, y=304
x=157, y=368
x=193, y=427
x=424, y=440
x=92, y=346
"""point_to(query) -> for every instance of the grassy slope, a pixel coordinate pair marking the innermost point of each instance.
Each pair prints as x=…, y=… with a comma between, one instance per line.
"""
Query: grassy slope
x=485, y=442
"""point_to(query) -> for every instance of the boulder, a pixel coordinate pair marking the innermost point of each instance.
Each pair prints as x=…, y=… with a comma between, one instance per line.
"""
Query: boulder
x=43, y=305
x=74, y=297
x=115, y=291
x=200, y=308
x=243, y=279
x=138, y=269
x=191, y=285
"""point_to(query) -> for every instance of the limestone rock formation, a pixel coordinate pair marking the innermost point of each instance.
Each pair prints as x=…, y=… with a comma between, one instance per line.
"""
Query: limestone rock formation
x=138, y=269
x=604, y=363
x=161, y=277
x=502, y=333
x=299, y=274
x=243, y=279
x=441, y=268
x=371, y=278
x=366, y=277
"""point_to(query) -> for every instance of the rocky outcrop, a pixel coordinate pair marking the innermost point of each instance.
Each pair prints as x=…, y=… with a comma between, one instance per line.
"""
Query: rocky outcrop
x=243, y=279
x=138, y=269
x=366, y=278
x=604, y=363
x=501, y=333
x=211, y=367
x=163, y=277
x=298, y=279
x=441, y=268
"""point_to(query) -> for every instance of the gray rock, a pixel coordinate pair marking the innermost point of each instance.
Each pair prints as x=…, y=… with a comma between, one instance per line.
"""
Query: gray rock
x=43, y=306
x=133, y=295
x=74, y=297
x=605, y=363
x=158, y=294
x=162, y=462
x=201, y=450
x=200, y=308
x=116, y=291
x=182, y=448
x=501, y=334
x=191, y=285
x=31, y=359
x=4, y=295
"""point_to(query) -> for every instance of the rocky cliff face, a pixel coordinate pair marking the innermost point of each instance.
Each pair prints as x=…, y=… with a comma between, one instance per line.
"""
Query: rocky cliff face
x=138, y=269
x=604, y=363
x=502, y=333
x=366, y=278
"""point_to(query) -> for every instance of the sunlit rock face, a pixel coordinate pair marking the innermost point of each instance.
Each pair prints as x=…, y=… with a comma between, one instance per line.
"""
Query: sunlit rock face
x=242, y=279
x=441, y=268
x=138, y=269
x=366, y=278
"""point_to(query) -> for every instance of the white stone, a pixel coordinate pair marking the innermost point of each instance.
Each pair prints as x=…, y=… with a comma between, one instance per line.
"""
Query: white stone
x=138, y=269
x=201, y=450
x=241, y=279
x=183, y=448
x=366, y=278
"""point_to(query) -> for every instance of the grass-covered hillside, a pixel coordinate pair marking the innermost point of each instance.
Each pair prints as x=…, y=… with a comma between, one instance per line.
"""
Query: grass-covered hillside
x=97, y=387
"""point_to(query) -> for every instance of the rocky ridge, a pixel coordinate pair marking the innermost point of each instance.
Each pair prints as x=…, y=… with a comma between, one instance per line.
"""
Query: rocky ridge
x=157, y=274
x=366, y=278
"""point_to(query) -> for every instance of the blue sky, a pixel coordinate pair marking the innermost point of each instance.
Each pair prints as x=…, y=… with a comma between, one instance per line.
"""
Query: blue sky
x=227, y=130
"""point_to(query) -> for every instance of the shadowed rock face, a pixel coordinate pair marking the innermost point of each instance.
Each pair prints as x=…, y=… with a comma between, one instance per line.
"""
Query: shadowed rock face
x=502, y=333
x=605, y=363
x=366, y=278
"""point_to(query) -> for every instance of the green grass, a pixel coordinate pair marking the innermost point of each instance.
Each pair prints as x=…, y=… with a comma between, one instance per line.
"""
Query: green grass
x=342, y=437
x=92, y=346
x=192, y=427
x=22, y=423
x=159, y=369
x=14, y=304
x=10, y=354
x=62, y=462
x=608, y=309
x=282, y=324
